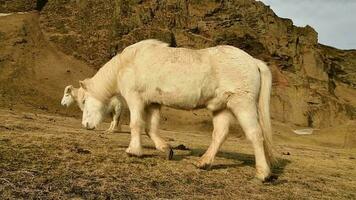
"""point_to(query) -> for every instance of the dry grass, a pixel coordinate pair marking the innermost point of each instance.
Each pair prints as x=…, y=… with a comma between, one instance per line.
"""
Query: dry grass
x=51, y=157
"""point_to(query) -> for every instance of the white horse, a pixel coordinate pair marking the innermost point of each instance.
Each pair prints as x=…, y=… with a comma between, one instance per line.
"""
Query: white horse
x=114, y=107
x=224, y=79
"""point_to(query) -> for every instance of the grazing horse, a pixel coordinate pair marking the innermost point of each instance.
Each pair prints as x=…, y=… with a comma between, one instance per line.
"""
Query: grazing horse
x=224, y=79
x=77, y=95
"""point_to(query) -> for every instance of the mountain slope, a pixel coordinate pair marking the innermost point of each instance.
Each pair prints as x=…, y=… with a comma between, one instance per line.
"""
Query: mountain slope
x=33, y=73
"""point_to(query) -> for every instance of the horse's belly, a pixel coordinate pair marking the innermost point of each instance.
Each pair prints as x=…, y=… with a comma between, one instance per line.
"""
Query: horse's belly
x=180, y=100
x=185, y=97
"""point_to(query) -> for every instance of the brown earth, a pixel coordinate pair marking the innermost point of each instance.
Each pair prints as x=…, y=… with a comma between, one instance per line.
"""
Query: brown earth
x=45, y=154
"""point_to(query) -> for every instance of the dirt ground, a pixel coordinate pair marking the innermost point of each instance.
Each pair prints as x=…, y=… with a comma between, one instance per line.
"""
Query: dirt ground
x=46, y=156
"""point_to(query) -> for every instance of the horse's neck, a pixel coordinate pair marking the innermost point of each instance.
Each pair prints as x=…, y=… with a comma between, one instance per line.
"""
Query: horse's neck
x=105, y=80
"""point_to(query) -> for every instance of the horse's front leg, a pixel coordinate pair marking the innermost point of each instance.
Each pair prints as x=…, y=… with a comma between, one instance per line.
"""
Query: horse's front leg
x=153, y=118
x=137, y=124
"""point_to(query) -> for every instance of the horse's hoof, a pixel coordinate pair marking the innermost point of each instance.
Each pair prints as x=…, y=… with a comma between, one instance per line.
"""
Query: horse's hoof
x=169, y=154
x=256, y=180
x=269, y=179
x=202, y=165
x=133, y=154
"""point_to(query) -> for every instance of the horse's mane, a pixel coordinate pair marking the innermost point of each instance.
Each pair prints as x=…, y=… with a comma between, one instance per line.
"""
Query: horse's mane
x=103, y=85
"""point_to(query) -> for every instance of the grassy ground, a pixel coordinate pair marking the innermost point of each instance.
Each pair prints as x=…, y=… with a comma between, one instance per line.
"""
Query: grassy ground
x=50, y=157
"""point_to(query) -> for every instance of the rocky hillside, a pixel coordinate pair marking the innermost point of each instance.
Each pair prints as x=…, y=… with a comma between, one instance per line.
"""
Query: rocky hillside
x=33, y=73
x=314, y=85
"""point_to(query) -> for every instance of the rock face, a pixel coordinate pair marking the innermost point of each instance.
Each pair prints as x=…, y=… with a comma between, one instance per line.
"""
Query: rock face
x=314, y=85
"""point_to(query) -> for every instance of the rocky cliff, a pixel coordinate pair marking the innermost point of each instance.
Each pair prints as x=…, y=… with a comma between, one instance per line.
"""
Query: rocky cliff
x=314, y=85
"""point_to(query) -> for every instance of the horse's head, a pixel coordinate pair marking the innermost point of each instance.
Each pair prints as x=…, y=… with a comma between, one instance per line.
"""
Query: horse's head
x=68, y=98
x=93, y=109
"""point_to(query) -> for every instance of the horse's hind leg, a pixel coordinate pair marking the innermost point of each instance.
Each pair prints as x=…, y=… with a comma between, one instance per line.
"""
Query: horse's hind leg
x=153, y=118
x=137, y=124
x=115, y=123
x=116, y=117
x=245, y=111
x=221, y=122
x=112, y=124
x=111, y=128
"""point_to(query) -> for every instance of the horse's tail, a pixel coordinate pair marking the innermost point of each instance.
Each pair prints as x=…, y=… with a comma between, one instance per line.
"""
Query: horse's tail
x=264, y=112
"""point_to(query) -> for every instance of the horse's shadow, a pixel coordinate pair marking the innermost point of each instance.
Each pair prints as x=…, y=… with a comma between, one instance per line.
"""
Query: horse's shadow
x=242, y=158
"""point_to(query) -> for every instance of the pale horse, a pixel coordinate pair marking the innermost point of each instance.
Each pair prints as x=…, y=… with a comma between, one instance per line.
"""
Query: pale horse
x=113, y=108
x=224, y=79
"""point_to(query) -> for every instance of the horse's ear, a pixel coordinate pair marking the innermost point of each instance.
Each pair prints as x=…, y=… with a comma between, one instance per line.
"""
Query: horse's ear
x=83, y=85
x=69, y=89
